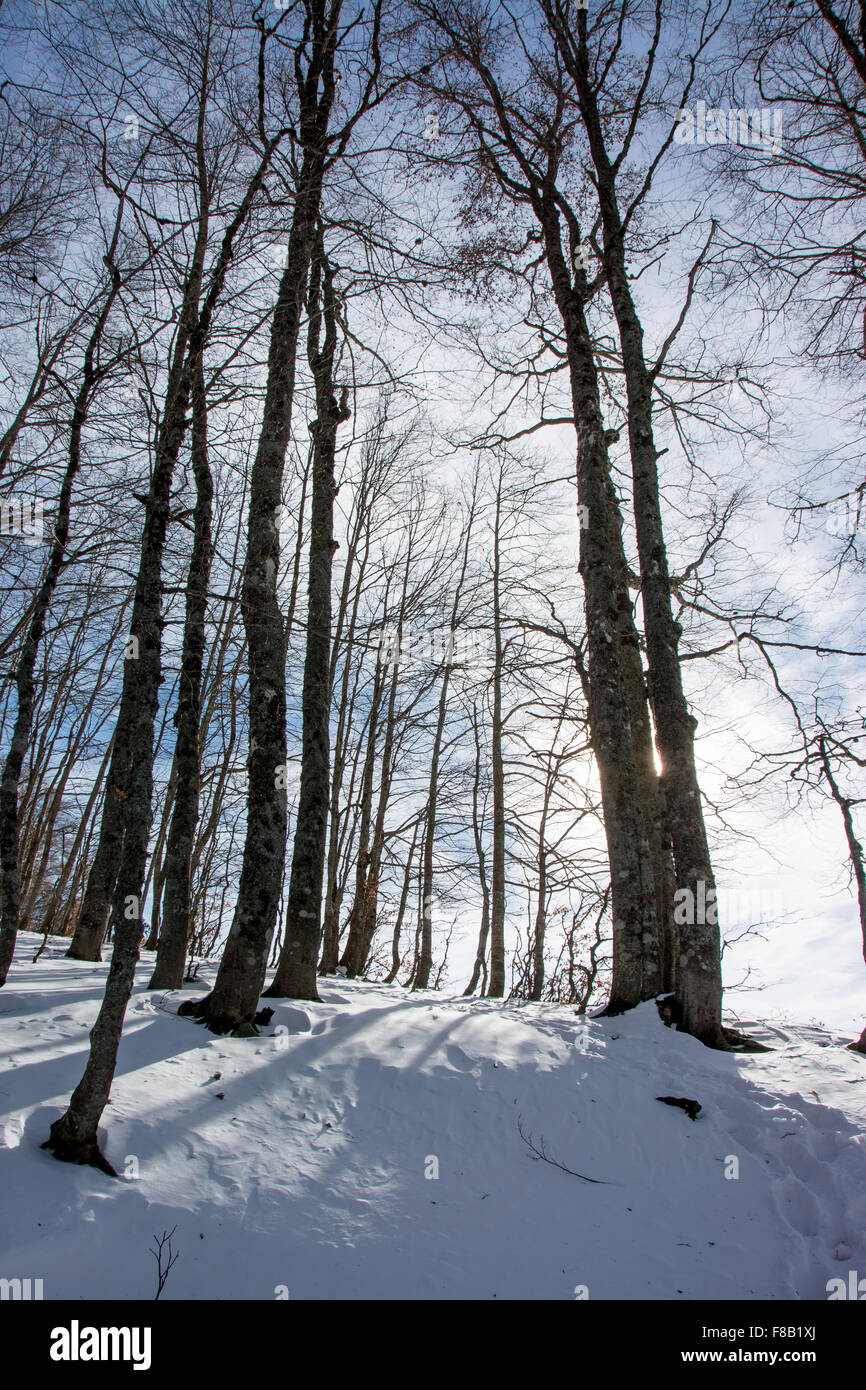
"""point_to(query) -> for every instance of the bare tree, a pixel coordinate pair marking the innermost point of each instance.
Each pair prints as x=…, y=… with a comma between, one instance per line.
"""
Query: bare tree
x=231, y=1005
x=521, y=148
x=296, y=972
x=698, y=976
x=176, y=926
x=92, y=370
x=122, y=854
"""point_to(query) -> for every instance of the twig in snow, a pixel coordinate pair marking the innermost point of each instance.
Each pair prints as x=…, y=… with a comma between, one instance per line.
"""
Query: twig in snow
x=164, y=1251
x=540, y=1151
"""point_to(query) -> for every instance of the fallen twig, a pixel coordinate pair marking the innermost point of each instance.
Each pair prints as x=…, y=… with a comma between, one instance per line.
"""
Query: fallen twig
x=540, y=1151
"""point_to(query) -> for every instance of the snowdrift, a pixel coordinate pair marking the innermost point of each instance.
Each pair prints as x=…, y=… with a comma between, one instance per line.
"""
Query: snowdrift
x=385, y=1145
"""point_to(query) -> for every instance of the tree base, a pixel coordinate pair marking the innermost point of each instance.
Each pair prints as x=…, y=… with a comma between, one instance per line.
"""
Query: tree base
x=221, y=1023
x=859, y=1045
x=274, y=991
x=82, y=1151
x=739, y=1042
x=164, y=981
x=718, y=1039
x=96, y=959
x=614, y=1007
x=669, y=1010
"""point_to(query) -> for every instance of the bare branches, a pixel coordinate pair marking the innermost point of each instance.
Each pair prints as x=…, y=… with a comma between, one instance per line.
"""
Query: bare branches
x=538, y=1149
x=166, y=1258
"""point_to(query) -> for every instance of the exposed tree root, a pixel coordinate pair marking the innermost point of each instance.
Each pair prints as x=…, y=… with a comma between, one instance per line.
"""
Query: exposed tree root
x=740, y=1043
x=220, y=1023
x=71, y=1150
x=729, y=1040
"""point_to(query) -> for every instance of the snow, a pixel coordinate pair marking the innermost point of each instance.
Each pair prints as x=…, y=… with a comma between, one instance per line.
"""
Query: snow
x=300, y=1170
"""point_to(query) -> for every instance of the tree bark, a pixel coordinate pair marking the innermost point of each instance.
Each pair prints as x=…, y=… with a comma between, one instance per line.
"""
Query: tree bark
x=401, y=910
x=479, y=968
x=345, y=703
x=699, y=983
x=176, y=924
x=496, y=982
x=73, y=1138
x=425, y=958
x=296, y=972
x=368, y=908
x=351, y=958
x=537, y=157
x=602, y=566
x=855, y=856
x=24, y=675
x=233, y=1002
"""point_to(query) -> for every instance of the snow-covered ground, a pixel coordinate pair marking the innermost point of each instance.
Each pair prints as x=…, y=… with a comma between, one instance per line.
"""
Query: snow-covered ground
x=306, y=1168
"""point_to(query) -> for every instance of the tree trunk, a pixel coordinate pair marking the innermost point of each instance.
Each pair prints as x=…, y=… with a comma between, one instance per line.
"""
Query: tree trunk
x=536, y=979
x=176, y=924
x=233, y=1002
x=73, y=1137
x=296, y=972
x=658, y=956
x=855, y=856
x=425, y=958
x=368, y=916
x=24, y=675
x=479, y=967
x=333, y=894
x=401, y=911
x=602, y=566
x=699, y=996
x=496, y=983
x=352, y=957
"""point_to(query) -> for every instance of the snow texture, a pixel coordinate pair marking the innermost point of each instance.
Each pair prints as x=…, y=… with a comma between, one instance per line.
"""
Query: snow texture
x=300, y=1170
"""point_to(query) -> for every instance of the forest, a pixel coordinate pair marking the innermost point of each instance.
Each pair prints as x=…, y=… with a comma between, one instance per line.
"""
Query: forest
x=431, y=507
